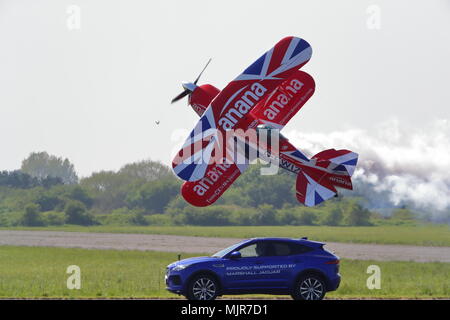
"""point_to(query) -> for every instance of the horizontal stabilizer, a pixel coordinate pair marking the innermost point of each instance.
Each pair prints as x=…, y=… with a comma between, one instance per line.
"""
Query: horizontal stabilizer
x=339, y=161
x=314, y=185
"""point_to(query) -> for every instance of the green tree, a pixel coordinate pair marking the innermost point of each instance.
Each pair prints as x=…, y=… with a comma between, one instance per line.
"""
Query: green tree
x=332, y=217
x=244, y=216
x=109, y=189
x=154, y=196
x=208, y=216
x=356, y=215
x=402, y=214
x=76, y=213
x=41, y=165
x=304, y=217
x=31, y=216
x=276, y=190
x=297, y=216
x=138, y=219
x=147, y=170
x=80, y=194
x=176, y=205
x=19, y=179
x=48, y=201
x=53, y=218
x=266, y=215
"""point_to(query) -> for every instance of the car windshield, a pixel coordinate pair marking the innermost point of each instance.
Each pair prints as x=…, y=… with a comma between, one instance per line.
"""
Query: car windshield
x=223, y=252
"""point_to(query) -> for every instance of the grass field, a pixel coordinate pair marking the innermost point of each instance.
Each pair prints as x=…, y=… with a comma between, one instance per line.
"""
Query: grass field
x=422, y=235
x=41, y=272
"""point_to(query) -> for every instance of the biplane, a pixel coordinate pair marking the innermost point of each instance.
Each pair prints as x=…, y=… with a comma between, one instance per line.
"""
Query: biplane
x=239, y=123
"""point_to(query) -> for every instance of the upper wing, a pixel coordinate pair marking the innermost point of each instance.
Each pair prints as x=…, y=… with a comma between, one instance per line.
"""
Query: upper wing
x=258, y=80
x=285, y=101
x=228, y=110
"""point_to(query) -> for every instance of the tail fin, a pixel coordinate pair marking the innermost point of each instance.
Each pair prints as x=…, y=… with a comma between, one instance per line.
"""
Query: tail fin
x=340, y=161
x=315, y=185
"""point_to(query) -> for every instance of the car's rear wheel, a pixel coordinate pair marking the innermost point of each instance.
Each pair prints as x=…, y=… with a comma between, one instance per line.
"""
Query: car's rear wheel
x=309, y=287
x=202, y=287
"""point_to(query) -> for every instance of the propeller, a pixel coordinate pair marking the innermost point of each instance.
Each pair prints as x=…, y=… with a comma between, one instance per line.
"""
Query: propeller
x=189, y=87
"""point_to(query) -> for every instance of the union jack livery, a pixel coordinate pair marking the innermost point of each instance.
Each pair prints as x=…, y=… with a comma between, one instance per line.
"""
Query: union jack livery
x=227, y=137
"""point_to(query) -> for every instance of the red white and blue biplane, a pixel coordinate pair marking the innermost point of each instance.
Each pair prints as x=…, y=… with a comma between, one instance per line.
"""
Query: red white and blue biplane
x=265, y=96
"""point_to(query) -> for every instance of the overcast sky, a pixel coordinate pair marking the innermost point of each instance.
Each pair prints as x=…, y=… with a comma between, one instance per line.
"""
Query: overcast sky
x=92, y=92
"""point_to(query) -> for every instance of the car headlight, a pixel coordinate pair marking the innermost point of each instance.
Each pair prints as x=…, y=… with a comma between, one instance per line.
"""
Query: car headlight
x=180, y=267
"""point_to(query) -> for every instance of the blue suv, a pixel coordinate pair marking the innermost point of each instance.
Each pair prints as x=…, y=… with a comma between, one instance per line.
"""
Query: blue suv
x=298, y=267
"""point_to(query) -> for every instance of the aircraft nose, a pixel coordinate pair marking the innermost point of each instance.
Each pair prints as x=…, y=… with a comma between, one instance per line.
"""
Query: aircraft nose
x=189, y=86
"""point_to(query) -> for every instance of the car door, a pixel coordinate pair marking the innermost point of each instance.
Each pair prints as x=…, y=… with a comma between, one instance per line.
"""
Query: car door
x=263, y=264
x=240, y=273
x=279, y=264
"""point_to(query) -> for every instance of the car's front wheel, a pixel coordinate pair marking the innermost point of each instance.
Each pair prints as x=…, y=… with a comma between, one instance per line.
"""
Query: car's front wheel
x=202, y=287
x=309, y=287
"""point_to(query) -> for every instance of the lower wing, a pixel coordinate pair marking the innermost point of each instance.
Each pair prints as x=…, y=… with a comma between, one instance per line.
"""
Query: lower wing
x=218, y=178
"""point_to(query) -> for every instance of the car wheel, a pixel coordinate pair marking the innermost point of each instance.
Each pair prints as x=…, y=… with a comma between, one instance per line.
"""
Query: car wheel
x=309, y=287
x=202, y=287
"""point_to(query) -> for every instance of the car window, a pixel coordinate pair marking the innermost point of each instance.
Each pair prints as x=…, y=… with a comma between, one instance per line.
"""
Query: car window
x=248, y=251
x=276, y=248
x=281, y=249
x=273, y=248
x=223, y=252
x=266, y=249
x=299, y=248
x=257, y=249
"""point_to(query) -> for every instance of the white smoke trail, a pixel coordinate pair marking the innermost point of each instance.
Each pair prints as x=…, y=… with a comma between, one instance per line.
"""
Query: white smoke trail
x=397, y=165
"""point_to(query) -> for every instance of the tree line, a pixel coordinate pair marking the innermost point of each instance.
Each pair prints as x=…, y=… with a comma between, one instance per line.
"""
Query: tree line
x=47, y=191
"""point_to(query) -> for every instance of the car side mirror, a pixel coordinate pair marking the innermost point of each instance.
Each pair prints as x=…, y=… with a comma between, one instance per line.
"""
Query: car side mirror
x=235, y=255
